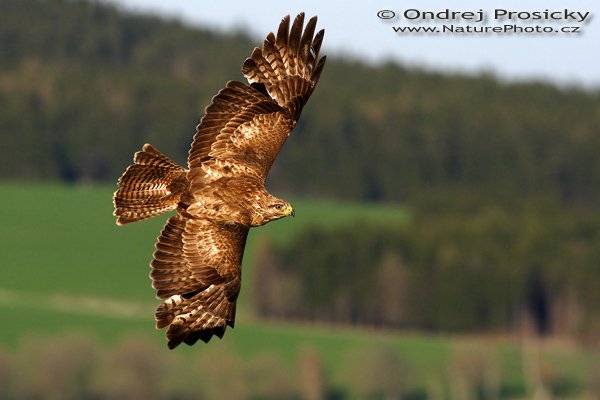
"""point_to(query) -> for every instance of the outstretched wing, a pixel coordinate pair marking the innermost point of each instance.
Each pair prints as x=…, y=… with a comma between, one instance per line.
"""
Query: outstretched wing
x=288, y=65
x=245, y=126
x=196, y=269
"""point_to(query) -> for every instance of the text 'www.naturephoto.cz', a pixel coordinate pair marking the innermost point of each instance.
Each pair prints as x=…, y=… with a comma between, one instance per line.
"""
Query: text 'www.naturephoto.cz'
x=563, y=21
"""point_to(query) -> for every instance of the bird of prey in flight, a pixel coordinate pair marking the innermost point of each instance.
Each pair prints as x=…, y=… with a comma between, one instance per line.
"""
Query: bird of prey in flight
x=221, y=194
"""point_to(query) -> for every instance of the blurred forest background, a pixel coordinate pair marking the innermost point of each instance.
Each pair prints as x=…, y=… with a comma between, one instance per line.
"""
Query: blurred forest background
x=454, y=243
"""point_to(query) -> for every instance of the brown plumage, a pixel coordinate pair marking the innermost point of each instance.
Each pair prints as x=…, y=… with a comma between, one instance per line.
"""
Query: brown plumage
x=196, y=265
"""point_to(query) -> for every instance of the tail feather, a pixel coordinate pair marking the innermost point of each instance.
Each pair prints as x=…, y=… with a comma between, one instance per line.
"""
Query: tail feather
x=152, y=185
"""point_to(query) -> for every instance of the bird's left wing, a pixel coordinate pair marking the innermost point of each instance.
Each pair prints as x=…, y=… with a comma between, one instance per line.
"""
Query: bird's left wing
x=196, y=269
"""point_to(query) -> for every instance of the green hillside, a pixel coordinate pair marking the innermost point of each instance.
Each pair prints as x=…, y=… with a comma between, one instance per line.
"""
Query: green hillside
x=69, y=270
x=63, y=241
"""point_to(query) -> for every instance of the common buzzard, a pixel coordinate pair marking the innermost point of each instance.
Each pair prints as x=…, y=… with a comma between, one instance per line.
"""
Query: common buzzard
x=221, y=195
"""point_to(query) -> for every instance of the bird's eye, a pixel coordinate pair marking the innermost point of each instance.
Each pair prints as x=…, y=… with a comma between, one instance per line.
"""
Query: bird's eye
x=279, y=207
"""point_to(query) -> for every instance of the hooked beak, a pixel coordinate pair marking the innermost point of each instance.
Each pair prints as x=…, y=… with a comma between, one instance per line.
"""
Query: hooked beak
x=289, y=211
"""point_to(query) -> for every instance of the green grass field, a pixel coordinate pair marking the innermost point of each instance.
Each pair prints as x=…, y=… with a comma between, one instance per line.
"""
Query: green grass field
x=67, y=267
x=63, y=254
x=58, y=239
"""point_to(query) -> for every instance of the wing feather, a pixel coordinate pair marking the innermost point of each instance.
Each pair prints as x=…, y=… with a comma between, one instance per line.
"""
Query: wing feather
x=239, y=136
x=245, y=126
x=231, y=101
x=170, y=272
x=304, y=51
x=292, y=55
x=196, y=269
x=282, y=34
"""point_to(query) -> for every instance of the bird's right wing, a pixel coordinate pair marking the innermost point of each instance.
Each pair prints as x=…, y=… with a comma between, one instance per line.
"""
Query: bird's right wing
x=288, y=66
x=245, y=126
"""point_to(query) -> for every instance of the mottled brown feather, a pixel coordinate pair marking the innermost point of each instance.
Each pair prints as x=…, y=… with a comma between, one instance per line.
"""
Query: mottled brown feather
x=171, y=274
x=293, y=57
x=197, y=258
x=242, y=119
x=196, y=268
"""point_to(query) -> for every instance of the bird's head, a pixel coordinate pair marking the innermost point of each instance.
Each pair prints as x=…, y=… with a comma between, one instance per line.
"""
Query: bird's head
x=271, y=209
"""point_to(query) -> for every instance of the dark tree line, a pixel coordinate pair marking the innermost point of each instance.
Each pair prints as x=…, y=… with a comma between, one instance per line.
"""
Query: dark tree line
x=83, y=85
x=489, y=270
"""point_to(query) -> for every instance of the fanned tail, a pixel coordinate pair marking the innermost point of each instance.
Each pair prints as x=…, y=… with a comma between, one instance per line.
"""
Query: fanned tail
x=152, y=185
x=288, y=66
